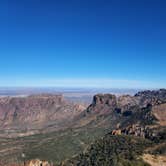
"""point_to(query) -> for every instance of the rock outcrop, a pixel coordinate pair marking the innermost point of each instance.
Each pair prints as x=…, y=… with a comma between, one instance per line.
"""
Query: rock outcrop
x=154, y=97
x=37, y=162
x=103, y=104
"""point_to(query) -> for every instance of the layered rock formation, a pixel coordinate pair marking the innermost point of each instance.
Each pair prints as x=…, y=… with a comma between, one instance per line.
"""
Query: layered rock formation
x=102, y=103
x=28, y=115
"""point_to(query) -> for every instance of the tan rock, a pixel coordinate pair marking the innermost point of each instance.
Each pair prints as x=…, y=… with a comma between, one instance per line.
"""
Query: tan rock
x=155, y=160
x=116, y=132
x=37, y=162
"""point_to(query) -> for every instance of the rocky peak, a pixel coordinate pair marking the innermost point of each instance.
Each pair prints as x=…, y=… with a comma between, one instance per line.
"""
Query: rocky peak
x=103, y=103
x=108, y=99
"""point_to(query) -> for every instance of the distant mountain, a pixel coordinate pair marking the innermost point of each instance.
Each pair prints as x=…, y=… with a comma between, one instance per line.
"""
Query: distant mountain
x=21, y=116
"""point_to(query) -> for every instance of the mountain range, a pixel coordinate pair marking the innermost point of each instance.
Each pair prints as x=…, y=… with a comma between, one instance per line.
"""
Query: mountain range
x=113, y=130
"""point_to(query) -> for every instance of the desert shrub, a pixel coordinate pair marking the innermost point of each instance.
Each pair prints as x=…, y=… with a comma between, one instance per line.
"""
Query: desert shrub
x=113, y=151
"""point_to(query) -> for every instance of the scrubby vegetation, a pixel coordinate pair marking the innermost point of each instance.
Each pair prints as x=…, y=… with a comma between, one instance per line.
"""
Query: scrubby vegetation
x=113, y=151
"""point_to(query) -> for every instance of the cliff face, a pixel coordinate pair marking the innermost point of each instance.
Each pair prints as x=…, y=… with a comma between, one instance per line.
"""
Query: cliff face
x=105, y=103
x=102, y=103
x=36, y=112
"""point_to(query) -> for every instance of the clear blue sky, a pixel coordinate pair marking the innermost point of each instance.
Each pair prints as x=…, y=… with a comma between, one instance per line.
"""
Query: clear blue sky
x=102, y=43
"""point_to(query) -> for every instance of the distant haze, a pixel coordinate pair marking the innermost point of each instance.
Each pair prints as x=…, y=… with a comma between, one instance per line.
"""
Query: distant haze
x=76, y=95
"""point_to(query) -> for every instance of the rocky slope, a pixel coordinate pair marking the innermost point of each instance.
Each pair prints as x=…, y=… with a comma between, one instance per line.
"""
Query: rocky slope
x=138, y=139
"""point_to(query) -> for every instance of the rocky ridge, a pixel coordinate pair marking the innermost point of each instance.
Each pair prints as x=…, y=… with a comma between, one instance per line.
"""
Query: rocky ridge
x=142, y=119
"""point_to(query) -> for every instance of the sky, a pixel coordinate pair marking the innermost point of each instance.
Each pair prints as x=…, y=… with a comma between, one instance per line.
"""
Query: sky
x=83, y=43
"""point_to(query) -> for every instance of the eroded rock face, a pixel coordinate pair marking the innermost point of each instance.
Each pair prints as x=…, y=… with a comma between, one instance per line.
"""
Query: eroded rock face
x=106, y=99
x=36, y=112
x=151, y=97
x=103, y=103
x=106, y=103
